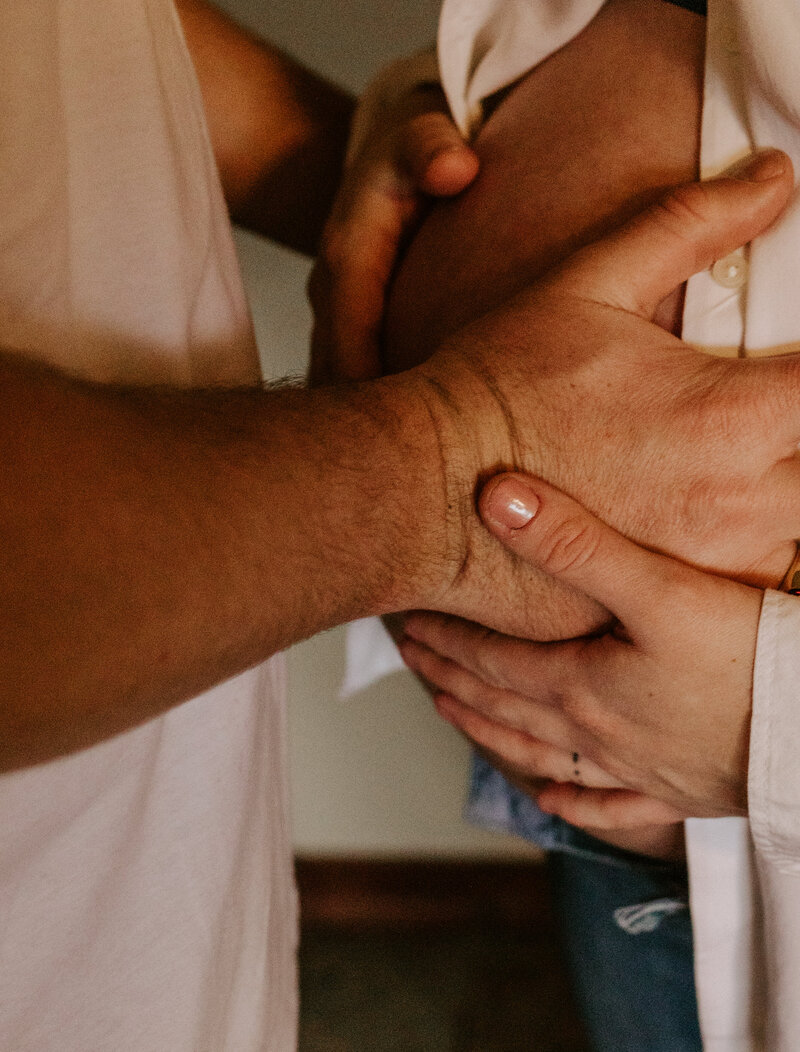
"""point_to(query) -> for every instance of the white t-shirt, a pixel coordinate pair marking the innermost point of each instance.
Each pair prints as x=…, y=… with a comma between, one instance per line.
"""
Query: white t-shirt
x=146, y=898
x=744, y=877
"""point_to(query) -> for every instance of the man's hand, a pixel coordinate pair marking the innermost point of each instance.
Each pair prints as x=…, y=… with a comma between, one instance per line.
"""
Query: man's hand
x=661, y=700
x=311, y=508
x=693, y=454
x=415, y=151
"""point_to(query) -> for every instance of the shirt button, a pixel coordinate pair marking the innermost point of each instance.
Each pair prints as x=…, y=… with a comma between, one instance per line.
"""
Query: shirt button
x=730, y=272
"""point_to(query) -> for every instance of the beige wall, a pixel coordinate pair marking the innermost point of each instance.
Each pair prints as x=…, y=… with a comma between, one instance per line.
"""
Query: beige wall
x=379, y=773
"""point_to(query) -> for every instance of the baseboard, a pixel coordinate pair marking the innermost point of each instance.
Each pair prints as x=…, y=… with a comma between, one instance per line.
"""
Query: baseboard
x=370, y=894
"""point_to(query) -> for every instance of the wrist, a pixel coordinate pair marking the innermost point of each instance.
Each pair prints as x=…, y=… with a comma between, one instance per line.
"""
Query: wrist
x=468, y=439
x=372, y=502
x=434, y=433
x=417, y=516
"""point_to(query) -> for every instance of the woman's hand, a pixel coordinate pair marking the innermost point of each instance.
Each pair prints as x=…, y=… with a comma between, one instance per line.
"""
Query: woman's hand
x=661, y=701
x=562, y=783
x=579, y=792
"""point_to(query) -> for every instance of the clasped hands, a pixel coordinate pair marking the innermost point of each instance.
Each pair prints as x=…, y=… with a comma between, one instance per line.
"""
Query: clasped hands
x=659, y=700
x=645, y=720
x=655, y=701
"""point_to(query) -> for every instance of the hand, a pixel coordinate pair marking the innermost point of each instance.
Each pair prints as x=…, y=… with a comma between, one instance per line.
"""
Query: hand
x=692, y=454
x=561, y=782
x=661, y=701
x=599, y=805
x=414, y=150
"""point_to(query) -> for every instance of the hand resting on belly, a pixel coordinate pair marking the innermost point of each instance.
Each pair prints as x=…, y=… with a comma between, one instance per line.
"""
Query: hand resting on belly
x=583, y=142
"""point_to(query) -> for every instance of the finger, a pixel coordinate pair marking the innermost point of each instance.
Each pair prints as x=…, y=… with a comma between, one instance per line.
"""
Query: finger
x=505, y=707
x=691, y=228
x=604, y=809
x=433, y=153
x=450, y=171
x=556, y=534
x=773, y=518
x=495, y=659
x=348, y=286
x=341, y=351
x=515, y=682
x=527, y=756
x=528, y=785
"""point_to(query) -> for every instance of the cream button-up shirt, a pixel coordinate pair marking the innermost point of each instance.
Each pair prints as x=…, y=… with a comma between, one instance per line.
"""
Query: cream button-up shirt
x=744, y=876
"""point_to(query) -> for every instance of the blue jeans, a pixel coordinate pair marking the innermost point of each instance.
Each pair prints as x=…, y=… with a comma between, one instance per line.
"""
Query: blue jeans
x=625, y=922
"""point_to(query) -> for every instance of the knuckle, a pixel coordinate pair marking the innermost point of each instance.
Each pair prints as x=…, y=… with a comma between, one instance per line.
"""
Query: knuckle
x=425, y=127
x=568, y=545
x=431, y=128
x=685, y=205
x=722, y=412
x=777, y=394
x=717, y=486
x=423, y=138
x=588, y=714
x=581, y=709
x=696, y=511
x=710, y=514
x=683, y=217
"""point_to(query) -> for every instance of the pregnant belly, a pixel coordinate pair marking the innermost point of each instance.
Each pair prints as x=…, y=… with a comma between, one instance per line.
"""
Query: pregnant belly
x=583, y=141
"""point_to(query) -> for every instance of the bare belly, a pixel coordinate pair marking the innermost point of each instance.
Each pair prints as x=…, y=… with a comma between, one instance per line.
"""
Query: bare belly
x=580, y=143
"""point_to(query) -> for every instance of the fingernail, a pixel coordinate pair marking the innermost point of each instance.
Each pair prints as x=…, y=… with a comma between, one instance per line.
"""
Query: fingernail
x=759, y=167
x=510, y=503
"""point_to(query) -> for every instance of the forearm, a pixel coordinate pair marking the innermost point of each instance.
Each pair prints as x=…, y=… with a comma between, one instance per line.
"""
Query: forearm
x=279, y=131
x=153, y=543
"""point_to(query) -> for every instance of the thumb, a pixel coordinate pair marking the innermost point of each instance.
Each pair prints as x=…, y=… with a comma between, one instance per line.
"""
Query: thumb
x=435, y=155
x=688, y=230
x=558, y=536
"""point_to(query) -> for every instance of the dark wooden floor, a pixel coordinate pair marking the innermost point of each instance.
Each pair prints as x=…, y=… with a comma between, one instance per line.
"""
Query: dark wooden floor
x=431, y=958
